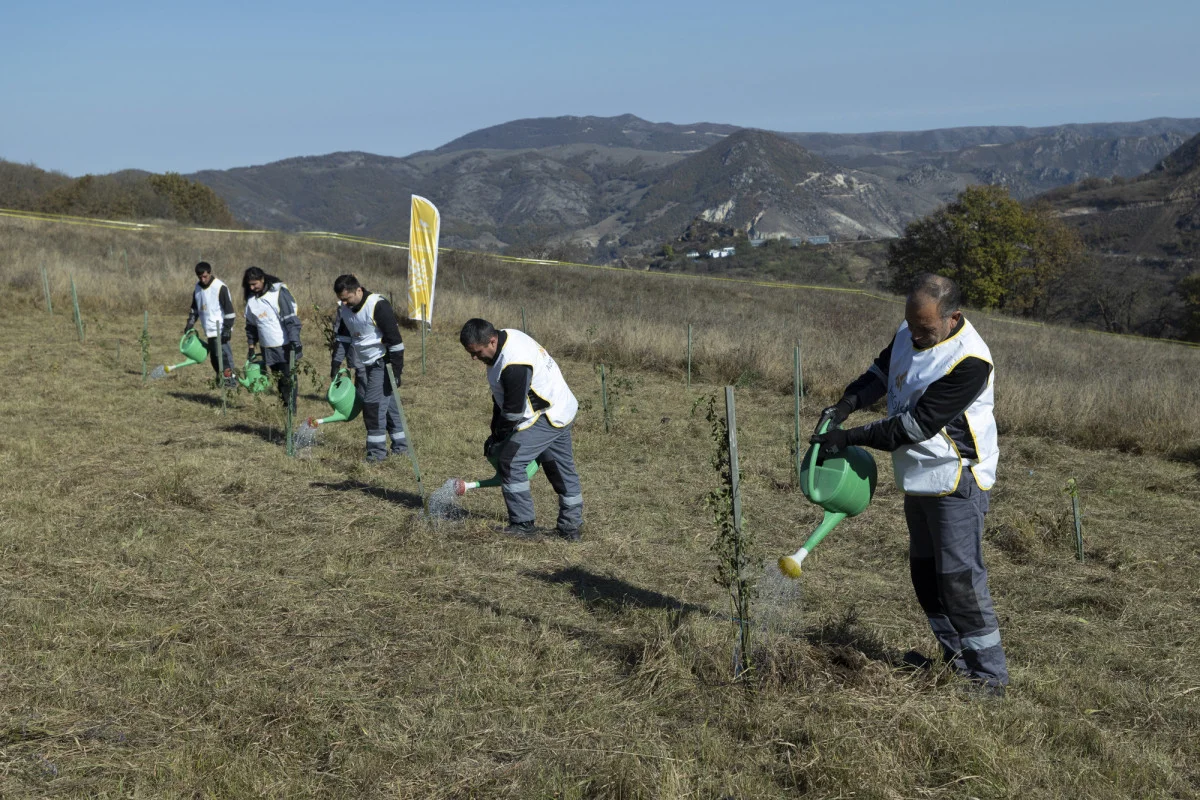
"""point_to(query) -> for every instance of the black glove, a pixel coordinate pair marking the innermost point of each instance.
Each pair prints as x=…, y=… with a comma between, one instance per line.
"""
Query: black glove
x=832, y=442
x=187, y=328
x=334, y=369
x=226, y=335
x=250, y=354
x=488, y=444
x=299, y=348
x=836, y=414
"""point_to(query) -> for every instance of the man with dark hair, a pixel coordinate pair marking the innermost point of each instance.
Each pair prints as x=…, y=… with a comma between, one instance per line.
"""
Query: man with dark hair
x=938, y=377
x=213, y=308
x=367, y=334
x=533, y=411
x=271, y=321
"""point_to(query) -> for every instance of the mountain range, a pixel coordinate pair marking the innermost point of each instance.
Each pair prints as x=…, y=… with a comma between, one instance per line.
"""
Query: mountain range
x=622, y=185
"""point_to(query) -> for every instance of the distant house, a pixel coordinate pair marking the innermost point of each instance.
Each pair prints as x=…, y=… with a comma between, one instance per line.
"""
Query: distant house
x=692, y=254
x=818, y=240
x=721, y=252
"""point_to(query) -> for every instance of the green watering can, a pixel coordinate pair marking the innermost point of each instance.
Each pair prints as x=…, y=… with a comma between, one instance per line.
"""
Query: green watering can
x=193, y=350
x=461, y=486
x=842, y=485
x=254, y=378
x=343, y=396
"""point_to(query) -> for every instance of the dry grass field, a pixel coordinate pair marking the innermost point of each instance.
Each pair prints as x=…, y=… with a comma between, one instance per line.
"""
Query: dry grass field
x=187, y=612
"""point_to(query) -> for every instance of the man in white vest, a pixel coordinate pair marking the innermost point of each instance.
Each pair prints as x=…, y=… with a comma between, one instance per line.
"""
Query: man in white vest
x=367, y=333
x=533, y=410
x=271, y=321
x=937, y=374
x=212, y=307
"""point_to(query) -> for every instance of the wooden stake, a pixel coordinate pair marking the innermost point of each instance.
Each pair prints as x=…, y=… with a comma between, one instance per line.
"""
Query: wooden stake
x=604, y=397
x=689, y=358
x=75, y=302
x=46, y=289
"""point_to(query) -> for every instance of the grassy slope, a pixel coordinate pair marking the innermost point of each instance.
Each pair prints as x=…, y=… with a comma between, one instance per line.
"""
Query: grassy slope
x=189, y=612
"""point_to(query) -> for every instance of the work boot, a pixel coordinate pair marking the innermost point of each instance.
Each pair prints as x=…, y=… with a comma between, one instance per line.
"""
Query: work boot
x=916, y=660
x=375, y=458
x=569, y=534
x=230, y=379
x=521, y=530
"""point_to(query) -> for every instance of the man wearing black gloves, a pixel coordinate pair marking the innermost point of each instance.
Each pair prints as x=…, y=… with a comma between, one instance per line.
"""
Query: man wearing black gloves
x=938, y=376
x=213, y=308
x=272, y=322
x=366, y=331
x=533, y=410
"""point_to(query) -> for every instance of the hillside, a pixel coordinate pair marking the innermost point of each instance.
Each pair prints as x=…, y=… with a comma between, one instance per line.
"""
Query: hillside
x=126, y=195
x=587, y=179
x=771, y=187
x=191, y=613
x=623, y=131
x=1156, y=215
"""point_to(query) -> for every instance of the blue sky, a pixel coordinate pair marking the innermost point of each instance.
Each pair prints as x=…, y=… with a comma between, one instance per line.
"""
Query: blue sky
x=89, y=87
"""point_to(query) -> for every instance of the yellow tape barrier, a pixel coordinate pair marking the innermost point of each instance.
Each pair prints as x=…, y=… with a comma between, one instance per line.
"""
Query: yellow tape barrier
x=346, y=237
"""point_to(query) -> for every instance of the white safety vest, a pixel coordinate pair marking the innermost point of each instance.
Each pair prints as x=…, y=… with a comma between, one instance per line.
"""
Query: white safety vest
x=934, y=466
x=263, y=312
x=208, y=306
x=364, y=333
x=547, y=381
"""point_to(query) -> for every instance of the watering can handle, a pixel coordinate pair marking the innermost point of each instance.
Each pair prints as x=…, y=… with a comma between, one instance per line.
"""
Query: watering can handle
x=812, y=459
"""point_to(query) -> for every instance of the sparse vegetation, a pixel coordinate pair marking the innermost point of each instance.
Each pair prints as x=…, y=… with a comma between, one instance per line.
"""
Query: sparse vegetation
x=130, y=195
x=187, y=612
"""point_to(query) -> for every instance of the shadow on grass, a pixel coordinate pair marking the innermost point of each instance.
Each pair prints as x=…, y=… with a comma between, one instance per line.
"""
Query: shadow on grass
x=841, y=634
x=1189, y=456
x=607, y=593
x=267, y=433
x=211, y=400
x=406, y=499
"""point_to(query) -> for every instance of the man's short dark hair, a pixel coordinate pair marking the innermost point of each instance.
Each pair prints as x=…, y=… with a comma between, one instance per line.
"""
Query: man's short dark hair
x=940, y=290
x=346, y=283
x=202, y=268
x=476, y=332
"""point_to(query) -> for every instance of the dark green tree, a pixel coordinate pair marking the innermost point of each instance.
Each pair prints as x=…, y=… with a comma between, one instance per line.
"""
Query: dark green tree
x=1002, y=254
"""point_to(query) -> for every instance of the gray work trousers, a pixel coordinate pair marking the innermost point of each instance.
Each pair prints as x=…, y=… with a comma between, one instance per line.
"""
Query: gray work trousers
x=276, y=360
x=380, y=413
x=551, y=448
x=226, y=353
x=945, y=552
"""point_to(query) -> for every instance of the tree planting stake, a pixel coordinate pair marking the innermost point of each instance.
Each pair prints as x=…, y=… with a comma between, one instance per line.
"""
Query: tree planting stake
x=604, y=396
x=144, y=341
x=75, y=302
x=221, y=368
x=291, y=402
x=1073, y=490
x=46, y=289
x=689, y=358
x=796, y=396
x=408, y=437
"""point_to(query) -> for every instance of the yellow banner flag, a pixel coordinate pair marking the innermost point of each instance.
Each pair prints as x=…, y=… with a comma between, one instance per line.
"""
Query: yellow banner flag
x=423, y=232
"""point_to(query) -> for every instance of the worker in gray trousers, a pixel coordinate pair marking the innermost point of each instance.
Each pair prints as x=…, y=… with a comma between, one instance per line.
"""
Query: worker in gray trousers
x=938, y=376
x=367, y=334
x=533, y=411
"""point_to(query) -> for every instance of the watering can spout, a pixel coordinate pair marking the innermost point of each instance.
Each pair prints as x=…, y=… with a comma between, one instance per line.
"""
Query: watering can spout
x=790, y=565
